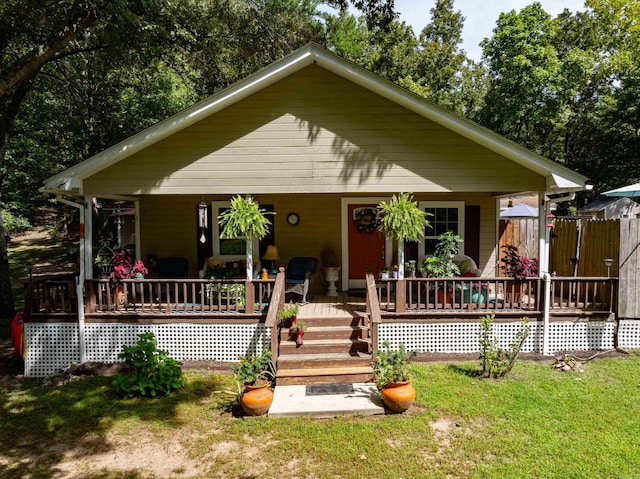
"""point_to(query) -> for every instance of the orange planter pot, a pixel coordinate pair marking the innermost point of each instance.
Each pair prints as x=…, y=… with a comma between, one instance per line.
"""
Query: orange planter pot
x=256, y=400
x=398, y=396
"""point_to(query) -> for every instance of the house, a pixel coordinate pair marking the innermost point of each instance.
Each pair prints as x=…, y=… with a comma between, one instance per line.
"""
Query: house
x=610, y=208
x=318, y=136
x=313, y=138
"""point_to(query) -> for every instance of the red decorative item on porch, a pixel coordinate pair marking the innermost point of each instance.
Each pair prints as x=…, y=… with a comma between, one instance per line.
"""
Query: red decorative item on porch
x=299, y=340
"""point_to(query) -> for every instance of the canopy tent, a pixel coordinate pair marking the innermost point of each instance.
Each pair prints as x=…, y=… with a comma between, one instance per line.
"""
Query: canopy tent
x=630, y=191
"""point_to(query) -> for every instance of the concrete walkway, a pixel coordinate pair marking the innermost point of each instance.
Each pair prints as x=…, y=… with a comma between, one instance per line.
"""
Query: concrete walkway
x=293, y=401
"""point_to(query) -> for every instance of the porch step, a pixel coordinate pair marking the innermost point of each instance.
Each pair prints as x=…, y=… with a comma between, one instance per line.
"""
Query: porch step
x=293, y=401
x=325, y=332
x=324, y=360
x=319, y=346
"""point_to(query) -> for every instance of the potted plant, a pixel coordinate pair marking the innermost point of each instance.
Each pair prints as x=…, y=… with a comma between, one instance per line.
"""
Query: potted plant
x=391, y=374
x=297, y=330
x=402, y=220
x=139, y=270
x=245, y=219
x=253, y=375
x=289, y=314
x=384, y=272
x=103, y=262
x=410, y=268
x=441, y=264
x=518, y=267
x=331, y=269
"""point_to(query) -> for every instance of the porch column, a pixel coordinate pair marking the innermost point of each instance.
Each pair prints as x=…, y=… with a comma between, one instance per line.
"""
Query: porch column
x=543, y=234
x=88, y=235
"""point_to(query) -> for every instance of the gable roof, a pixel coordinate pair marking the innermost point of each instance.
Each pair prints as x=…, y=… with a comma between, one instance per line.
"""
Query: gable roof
x=558, y=177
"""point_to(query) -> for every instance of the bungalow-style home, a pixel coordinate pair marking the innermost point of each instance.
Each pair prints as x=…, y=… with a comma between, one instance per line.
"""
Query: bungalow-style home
x=320, y=142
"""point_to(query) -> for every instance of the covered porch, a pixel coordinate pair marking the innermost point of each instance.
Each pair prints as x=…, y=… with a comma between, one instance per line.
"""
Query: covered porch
x=564, y=313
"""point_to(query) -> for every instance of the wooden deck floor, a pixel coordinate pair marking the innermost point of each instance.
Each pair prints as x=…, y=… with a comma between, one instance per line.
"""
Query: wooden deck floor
x=322, y=306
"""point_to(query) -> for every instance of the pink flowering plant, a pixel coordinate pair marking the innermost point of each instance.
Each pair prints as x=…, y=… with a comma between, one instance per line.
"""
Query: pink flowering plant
x=139, y=268
x=120, y=267
x=516, y=266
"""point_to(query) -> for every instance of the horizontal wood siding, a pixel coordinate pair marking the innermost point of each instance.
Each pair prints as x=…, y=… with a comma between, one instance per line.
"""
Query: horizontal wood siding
x=323, y=134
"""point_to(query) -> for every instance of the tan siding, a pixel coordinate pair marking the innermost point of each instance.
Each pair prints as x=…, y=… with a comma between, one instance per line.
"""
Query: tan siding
x=323, y=134
x=169, y=226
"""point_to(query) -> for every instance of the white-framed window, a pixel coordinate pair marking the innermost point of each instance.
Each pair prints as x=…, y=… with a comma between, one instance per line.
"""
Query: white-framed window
x=227, y=248
x=444, y=216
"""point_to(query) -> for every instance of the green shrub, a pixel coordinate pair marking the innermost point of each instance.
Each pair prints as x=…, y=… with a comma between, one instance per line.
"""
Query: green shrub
x=153, y=372
x=14, y=223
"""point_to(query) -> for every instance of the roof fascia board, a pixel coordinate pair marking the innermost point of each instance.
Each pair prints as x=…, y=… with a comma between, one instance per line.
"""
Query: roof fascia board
x=73, y=177
x=559, y=175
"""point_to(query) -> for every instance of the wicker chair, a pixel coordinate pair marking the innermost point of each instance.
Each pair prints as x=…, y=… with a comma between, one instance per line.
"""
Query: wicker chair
x=299, y=275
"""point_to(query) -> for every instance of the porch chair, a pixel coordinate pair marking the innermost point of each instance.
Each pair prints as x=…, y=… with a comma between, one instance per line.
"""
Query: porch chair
x=299, y=275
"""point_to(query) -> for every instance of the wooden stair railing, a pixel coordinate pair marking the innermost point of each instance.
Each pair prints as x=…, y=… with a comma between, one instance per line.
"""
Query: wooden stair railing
x=276, y=304
x=372, y=319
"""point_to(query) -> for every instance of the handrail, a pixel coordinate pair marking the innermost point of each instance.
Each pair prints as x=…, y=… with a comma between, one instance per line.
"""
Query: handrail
x=373, y=316
x=272, y=323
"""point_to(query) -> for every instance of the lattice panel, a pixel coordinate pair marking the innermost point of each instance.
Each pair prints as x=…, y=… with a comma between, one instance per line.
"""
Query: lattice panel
x=629, y=334
x=51, y=348
x=458, y=338
x=214, y=342
x=580, y=336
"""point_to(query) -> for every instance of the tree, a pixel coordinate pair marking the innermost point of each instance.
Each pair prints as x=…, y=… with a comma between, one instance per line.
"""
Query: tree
x=84, y=49
x=440, y=60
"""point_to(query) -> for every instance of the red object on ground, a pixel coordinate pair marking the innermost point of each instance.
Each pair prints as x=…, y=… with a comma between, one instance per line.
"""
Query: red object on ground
x=17, y=334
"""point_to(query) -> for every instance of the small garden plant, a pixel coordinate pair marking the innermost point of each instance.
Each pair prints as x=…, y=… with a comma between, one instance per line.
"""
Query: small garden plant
x=390, y=365
x=153, y=372
x=253, y=369
x=495, y=362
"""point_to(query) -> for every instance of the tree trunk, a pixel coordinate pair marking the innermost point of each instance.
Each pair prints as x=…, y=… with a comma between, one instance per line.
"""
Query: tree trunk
x=9, y=110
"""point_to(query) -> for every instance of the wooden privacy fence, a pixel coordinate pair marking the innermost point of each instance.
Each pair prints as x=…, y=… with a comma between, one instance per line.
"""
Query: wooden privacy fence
x=579, y=248
x=521, y=233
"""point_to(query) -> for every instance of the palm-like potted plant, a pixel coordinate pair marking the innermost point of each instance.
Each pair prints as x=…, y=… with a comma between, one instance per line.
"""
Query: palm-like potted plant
x=331, y=269
x=441, y=264
x=289, y=314
x=392, y=377
x=402, y=220
x=245, y=219
x=253, y=375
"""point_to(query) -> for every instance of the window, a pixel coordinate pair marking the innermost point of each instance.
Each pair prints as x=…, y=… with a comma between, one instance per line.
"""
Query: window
x=227, y=247
x=444, y=216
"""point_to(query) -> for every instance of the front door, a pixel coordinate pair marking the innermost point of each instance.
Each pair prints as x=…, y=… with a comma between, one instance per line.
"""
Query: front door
x=366, y=243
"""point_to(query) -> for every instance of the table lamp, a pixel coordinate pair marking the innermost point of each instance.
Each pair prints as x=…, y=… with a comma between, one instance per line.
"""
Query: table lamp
x=272, y=255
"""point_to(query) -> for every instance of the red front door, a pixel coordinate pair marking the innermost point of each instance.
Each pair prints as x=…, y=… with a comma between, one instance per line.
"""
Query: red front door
x=366, y=243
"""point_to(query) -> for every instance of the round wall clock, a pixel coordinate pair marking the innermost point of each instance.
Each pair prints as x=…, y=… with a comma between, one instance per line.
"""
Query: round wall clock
x=293, y=219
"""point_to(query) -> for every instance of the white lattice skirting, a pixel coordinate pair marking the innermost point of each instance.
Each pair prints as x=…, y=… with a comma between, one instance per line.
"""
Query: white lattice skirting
x=52, y=347
x=461, y=338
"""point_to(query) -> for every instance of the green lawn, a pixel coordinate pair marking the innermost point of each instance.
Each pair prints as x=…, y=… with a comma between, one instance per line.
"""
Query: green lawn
x=536, y=423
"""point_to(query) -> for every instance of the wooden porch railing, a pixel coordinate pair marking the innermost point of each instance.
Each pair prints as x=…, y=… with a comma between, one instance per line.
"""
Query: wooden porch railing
x=177, y=296
x=53, y=295
x=476, y=295
x=272, y=322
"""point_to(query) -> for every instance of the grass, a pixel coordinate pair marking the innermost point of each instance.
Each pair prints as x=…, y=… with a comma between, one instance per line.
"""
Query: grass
x=537, y=422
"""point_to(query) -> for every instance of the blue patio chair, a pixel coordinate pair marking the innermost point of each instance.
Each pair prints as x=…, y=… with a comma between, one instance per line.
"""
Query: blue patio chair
x=299, y=275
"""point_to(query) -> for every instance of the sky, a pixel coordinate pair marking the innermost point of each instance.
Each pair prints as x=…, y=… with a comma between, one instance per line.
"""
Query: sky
x=480, y=16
